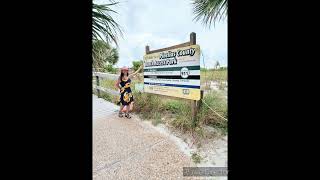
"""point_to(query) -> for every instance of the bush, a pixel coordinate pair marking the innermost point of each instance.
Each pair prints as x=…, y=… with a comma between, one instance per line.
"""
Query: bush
x=174, y=106
x=183, y=119
x=109, y=68
x=154, y=107
x=147, y=104
x=137, y=64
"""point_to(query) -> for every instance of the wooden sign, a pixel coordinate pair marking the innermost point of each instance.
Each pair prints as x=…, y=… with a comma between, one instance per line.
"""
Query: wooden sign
x=173, y=71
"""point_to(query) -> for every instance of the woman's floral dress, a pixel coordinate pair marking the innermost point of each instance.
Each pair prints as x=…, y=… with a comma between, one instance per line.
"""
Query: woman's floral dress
x=126, y=96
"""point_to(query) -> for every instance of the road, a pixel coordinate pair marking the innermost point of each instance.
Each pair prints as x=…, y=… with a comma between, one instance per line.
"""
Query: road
x=131, y=149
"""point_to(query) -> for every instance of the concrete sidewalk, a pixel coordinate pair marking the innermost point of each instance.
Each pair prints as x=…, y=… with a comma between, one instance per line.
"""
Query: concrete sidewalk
x=129, y=149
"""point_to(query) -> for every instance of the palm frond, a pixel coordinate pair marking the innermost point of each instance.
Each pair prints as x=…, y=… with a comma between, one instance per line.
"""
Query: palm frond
x=209, y=11
x=104, y=27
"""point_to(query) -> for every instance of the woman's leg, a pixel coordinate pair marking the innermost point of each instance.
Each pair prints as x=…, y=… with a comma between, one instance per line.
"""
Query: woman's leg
x=124, y=109
x=120, y=111
x=121, y=107
x=127, y=111
x=131, y=106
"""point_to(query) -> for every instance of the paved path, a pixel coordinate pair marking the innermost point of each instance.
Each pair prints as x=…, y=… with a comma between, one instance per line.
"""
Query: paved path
x=131, y=149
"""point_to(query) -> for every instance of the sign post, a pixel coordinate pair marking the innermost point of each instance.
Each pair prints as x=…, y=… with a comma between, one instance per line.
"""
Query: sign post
x=174, y=71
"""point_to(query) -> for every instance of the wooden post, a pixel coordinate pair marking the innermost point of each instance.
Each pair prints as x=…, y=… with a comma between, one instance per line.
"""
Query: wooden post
x=194, y=108
x=98, y=84
x=200, y=101
x=147, y=49
x=193, y=38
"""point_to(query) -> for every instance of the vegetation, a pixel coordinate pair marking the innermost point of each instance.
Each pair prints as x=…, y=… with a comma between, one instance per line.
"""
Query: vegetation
x=108, y=83
x=109, y=68
x=214, y=74
x=137, y=64
x=178, y=112
x=156, y=119
x=206, y=116
x=104, y=56
x=183, y=118
x=209, y=11
x=104, y=27
x=105, y=30
x=147, y=105
x=196, y=158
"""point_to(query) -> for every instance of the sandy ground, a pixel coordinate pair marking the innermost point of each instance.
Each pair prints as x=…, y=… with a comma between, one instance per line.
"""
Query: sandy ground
x=134, y=149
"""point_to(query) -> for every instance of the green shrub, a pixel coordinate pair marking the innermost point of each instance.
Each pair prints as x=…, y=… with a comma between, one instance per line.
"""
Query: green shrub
x=137, y=64
x=174, y=106
x=147, y=104
x=109, y=68
x=183, y=119
x=196, y=158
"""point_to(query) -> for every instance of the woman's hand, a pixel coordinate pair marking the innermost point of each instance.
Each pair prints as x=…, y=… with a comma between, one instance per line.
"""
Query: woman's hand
x=133, y=74
x=121, y=90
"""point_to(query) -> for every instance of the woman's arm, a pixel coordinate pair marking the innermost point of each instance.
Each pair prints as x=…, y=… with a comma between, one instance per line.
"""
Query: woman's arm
x=133, y=74
x=117, y=84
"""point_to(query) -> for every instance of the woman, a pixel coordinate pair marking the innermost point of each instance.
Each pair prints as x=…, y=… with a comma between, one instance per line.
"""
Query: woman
x=126, y=97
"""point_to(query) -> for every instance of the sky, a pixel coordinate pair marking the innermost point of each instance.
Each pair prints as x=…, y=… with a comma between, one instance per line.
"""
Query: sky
x=163, y=23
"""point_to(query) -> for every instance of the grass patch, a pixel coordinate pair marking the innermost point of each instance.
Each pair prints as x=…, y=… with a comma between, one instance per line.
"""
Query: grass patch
x=218, y=103
x=109, y=97
x=213, y=75
x=156, y=119
x=182, y=114
x=183, y=119
x=106, y=96
x=222, y=85
x=174, y=106
x=149, y=107
x=108, y=83
x=147, y=104
x=196, y=158
x=154, y=107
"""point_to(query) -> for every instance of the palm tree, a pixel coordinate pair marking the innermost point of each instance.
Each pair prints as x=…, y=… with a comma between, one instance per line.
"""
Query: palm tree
x=209, y=10
x=104, y=27
x=103, y=54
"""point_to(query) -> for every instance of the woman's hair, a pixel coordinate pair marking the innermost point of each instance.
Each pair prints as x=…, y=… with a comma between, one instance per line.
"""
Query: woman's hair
x=122, y=74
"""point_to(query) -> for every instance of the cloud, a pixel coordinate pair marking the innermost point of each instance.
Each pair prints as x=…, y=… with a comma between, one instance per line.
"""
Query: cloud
x=166, y=23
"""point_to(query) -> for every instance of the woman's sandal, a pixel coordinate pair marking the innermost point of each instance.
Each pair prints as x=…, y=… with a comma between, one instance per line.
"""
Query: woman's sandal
x=127, y=115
